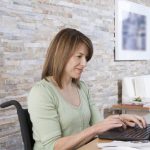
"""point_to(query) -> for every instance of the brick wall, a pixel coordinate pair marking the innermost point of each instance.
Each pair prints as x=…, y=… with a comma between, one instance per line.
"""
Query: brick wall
x=26, y=28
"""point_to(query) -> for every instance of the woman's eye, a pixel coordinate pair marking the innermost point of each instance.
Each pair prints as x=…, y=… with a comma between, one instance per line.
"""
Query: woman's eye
x=79, y=56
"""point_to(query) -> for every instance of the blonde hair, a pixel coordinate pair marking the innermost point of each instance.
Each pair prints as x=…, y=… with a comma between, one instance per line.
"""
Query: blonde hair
x=60, y=50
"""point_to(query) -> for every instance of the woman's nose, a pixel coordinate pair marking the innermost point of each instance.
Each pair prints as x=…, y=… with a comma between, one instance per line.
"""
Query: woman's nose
x=83, y=61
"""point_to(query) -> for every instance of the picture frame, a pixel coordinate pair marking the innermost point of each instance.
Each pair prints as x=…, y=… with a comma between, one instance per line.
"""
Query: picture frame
x=132, y=31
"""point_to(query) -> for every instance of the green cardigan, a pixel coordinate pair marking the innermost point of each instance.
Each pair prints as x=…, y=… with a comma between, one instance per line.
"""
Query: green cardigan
x=53, y=117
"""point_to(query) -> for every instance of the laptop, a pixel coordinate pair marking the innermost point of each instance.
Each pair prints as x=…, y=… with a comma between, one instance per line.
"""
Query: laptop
x=129, y=134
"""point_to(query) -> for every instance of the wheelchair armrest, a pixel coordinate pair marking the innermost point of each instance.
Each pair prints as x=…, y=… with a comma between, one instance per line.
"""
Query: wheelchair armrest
x=11, y=102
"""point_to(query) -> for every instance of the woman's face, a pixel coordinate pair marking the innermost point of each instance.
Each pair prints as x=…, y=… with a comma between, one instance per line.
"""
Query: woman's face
x=77, y=62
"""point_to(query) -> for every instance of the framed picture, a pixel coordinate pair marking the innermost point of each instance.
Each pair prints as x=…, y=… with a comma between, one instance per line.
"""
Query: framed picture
x=132, y=31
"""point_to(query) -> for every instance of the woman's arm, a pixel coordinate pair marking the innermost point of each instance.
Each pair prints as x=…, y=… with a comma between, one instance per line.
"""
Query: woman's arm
x=74, y=141
x=79, y=139
x=114, y=121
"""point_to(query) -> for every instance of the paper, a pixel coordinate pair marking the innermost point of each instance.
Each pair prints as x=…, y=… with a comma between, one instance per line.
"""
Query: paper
x=119, y=148
x=122, y=145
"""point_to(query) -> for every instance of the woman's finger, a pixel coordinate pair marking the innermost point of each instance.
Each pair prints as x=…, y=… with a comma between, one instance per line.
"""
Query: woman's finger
x=142, y=120
x=130, y=123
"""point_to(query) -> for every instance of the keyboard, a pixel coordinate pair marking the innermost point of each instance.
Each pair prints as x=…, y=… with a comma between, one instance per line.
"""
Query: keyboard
x=129, y=134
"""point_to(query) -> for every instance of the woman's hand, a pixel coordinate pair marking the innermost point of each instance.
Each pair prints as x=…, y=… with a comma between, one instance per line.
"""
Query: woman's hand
x=110, y=122
x=132, y=120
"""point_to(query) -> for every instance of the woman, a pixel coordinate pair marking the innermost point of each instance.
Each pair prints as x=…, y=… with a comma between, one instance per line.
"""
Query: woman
x=60, y=106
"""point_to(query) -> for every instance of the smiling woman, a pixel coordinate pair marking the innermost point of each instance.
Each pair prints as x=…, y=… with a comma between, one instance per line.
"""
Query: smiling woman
x=77, y=62
x=60, y=106
x=61, y=49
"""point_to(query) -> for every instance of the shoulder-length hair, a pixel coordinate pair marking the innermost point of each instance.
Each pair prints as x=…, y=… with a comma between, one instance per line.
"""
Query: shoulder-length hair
x=60, y=50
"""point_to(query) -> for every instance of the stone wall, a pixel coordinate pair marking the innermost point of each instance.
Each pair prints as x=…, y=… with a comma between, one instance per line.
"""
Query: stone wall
x=27, y=27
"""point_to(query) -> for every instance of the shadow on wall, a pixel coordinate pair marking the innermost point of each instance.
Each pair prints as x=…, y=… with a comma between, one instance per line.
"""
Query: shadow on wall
x=108, y=111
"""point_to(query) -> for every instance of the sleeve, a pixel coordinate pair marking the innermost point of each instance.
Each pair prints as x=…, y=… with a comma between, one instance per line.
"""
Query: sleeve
x=95, y=113
x=44, y=117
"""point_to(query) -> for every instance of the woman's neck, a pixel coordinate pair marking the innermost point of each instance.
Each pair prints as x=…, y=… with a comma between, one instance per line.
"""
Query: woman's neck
x=66, y=82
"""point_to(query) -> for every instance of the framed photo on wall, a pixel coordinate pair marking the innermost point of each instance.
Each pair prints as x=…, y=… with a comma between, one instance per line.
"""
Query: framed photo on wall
x=132, y=31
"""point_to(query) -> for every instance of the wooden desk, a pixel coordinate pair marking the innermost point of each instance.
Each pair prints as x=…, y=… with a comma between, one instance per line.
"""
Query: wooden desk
x=93, y=145
x=125, y=107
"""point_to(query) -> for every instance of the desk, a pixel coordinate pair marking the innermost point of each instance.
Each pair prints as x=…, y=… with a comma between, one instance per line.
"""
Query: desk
x=125, y=107
x=93, y=145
